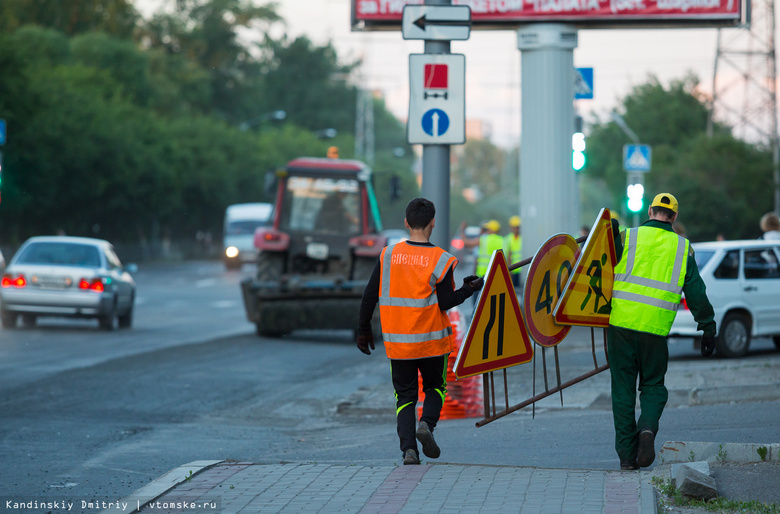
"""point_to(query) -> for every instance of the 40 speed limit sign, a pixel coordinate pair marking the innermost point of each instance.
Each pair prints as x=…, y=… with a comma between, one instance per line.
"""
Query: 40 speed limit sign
x=550, y=270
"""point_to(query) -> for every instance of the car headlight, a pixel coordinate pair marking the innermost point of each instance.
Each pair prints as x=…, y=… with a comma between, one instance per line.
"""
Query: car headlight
x=231, y=252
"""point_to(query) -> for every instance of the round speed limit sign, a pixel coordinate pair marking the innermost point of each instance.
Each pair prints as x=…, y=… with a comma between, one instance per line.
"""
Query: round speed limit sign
x=550, y=269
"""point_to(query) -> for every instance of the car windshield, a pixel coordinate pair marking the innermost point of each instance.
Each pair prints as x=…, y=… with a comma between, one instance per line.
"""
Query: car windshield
x=244, y=227
x=703, y=257
x=61, y=254
x=321, y=205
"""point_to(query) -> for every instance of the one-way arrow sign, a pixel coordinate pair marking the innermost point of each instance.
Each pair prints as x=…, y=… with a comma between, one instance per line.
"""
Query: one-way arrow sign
x=436, y=22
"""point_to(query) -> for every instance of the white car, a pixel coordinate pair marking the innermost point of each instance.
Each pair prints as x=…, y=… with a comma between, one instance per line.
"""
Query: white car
x=743, y=285
x=66, y=276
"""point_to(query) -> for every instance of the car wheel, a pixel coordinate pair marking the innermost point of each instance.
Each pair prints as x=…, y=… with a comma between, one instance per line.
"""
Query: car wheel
x=776, y=339
x=734, y=335
x=106, y=321
x=126, y=319
x=233, y=265
x=28, y=320
x=263, y=332
x=8, y=319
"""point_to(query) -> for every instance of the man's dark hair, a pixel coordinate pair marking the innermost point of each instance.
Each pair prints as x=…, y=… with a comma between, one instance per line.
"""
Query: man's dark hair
x=665, y=212
x=420, y=212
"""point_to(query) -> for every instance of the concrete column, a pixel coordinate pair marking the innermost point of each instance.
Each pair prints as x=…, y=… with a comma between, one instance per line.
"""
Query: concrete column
x=549, y=195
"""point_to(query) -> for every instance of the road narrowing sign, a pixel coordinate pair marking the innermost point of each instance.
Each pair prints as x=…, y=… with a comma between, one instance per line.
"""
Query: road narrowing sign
x=496, y=337
x=587, y=295
x=550, y=270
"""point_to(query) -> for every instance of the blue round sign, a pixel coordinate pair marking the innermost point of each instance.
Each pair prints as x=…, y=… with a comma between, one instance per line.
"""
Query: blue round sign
x=435, y=122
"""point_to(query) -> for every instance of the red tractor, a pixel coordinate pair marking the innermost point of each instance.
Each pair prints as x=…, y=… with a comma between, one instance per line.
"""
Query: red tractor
x=317, y=253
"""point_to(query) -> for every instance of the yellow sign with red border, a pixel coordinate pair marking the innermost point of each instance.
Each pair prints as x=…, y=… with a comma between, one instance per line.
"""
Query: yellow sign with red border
x=497, y=337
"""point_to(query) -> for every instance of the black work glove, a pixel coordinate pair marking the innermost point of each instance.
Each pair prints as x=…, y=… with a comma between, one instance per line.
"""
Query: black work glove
x=615, y=228
x=474, y=282
x=707, y=345
x=364, y=341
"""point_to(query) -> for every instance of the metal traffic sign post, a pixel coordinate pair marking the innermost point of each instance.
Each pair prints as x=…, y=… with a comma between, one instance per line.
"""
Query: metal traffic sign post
x=636, y=162
x=437, y=114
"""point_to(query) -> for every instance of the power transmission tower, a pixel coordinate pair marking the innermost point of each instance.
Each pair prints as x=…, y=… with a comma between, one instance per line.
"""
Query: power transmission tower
x=364, y=126
x=744, y=83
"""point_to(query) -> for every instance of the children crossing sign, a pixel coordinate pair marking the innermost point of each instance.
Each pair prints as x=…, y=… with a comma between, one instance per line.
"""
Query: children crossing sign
x=587, y=294
x=496, y=338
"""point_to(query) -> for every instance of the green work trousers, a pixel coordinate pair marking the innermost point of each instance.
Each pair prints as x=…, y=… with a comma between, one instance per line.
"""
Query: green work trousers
x=636, y=355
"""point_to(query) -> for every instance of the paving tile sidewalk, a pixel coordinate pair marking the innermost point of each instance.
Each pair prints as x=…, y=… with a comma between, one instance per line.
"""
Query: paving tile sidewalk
x=232, y=487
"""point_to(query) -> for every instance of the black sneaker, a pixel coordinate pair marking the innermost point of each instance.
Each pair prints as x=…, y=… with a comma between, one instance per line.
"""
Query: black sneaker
x=646, y=454
x=411, y=457
x=628, y=465
x=425, y=436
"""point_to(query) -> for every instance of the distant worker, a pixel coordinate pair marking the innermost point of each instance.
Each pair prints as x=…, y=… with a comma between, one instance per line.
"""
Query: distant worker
x=513, y=247
x=770, y=225
x=488, y=242
x=655, y=267
x=414, y=284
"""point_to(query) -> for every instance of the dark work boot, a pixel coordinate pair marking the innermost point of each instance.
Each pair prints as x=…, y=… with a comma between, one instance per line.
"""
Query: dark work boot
x=646, y=454
x=411, y=457
x=628, y=465
x=425, y=436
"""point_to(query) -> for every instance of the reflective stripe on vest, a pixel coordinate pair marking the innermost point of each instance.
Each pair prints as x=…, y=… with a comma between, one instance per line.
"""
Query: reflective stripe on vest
x=413, y=325
x=648, y=280
x=488, y=243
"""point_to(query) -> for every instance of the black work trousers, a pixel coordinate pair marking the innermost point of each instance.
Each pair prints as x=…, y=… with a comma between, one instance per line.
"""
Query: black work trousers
x=434, y=379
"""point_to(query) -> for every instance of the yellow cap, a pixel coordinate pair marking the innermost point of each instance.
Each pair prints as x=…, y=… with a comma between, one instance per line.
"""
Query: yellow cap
x=492, y=225
x=514, y=221
x=665, y=200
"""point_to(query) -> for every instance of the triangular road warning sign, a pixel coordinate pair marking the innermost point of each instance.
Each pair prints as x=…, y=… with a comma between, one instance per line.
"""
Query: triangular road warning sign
x=587, y=296
x=497, y=337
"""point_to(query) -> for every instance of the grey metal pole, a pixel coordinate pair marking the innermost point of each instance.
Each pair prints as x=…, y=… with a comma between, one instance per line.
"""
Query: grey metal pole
x=549, y=196
x=436, y=164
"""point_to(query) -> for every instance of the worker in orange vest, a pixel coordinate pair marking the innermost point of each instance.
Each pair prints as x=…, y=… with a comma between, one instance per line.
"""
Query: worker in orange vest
x=414, y=286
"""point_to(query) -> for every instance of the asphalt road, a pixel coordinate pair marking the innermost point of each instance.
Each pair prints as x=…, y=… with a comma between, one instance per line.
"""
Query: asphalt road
x=87, y=414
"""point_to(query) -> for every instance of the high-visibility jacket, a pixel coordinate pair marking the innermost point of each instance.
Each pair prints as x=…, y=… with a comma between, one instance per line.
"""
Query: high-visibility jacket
x=513, y=244
x=413, y=325
x=649, y=280
x=488, y=243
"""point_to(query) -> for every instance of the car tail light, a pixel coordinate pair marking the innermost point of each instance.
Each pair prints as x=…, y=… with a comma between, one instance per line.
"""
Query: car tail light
x=683, y=303
x=95, y=285
x=11, y=281
x=267, y=238
x=368, y=245
x=457, y=244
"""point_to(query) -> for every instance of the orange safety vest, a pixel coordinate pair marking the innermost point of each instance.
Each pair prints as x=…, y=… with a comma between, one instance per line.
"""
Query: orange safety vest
x=413, y=325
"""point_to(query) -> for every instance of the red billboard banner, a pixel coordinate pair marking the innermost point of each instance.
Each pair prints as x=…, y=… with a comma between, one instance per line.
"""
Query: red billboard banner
x=485, y=14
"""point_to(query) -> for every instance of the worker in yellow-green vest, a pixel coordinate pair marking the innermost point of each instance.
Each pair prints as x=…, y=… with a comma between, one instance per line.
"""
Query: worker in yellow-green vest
x=513, y=247
x=655, y=267
x=488, y=242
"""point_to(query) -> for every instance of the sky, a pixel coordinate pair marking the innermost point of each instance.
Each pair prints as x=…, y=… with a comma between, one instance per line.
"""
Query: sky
x=621, y=59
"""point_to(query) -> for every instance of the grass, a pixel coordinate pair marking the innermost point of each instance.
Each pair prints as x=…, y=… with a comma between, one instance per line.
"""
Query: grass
x=671, y=497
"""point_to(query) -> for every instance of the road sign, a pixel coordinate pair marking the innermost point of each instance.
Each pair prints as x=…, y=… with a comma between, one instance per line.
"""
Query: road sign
x=583, y=83
x=2, y=132
x=437, y=99
x=442, y=22
x=549, y=271
x=636, y=158
x=497, y=337
x=588, y=292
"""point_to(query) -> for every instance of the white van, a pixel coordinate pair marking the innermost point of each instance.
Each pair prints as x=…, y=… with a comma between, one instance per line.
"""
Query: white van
x=241, y=220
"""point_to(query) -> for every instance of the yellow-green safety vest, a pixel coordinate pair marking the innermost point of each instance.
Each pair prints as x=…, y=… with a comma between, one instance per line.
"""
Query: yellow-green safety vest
x=649, y=280
x=515, y=245
x=487, y=244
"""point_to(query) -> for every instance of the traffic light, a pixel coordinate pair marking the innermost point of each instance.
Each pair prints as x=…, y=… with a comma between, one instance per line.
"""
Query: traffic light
x=635, y=193
x=578, y=157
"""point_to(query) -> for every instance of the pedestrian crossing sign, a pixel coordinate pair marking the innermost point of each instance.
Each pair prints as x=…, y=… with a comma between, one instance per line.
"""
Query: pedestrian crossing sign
x=496, y=337
x=637, y=158
x=587, y=296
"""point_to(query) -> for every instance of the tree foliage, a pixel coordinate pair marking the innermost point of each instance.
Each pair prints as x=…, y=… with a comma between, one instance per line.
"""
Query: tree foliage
x=139, y=139
x=723, y=184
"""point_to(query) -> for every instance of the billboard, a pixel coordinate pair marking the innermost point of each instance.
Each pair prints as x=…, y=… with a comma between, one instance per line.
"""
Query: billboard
x=505, y=14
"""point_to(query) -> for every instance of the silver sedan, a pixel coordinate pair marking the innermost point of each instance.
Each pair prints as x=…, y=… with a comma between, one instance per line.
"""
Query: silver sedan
x=65, y=276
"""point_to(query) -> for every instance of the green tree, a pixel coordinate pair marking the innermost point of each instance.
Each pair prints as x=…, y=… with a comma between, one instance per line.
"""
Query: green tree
x=116, y=17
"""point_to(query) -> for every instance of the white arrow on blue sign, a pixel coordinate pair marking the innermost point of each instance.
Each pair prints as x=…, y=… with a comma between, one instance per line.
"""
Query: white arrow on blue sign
x=637, y=158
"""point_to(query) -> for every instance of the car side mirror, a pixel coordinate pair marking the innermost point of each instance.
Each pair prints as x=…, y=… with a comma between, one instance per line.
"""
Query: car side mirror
x=131, y=268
